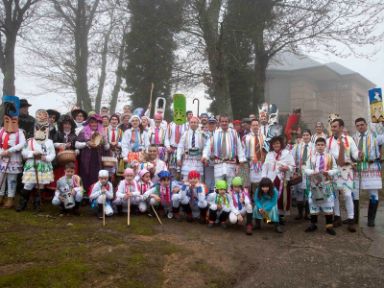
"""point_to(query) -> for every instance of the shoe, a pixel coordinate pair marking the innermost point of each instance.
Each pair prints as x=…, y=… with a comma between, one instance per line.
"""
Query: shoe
x=351, y=226
x=331, y=231
x=337, y=221
x=281, y=220
x=257, y=224
x=279, y=229
x=9, y=203
x=249, y=229
x=23, y=200
x=311, y=228
x=211, y=224
x=372, y=209
x=223, y=225
x=356, y=211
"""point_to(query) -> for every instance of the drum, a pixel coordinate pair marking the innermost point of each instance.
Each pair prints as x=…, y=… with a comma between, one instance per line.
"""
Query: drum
x=69, y=200
x=96, y=139
x=66, y=156
x=108, y=161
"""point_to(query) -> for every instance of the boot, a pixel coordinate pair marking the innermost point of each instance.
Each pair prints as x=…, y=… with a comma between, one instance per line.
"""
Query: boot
x=257, y=224
x=9, y=203
x=278, y=228
x=37, y=203
x=100, y=211
x=75, y=210
x=203, y=215
x=356, y=211
x=23, y=200
x=329, y=229
x=307, y=213
x=336, y=221
x=1, y=200
x=311, y=228
x=300, y=208
x=351, y=225
x=372, y=209
x=281, y=220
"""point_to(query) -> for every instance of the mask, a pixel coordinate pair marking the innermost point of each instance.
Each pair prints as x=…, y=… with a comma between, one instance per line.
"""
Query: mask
x=179, y=109
x=41, y=126
x=273, y=114
x=11, y=113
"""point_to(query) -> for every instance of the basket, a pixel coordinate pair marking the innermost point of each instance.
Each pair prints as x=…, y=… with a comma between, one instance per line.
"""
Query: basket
x=66, y=156
x=109, y=161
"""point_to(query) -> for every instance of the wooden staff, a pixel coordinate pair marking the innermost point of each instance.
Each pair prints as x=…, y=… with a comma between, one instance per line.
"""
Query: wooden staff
x=5, y=175
x=37, y=179
x=151, y=96
x=198, y=105
x=129, y=211
x=157, y=216
x=104, y=200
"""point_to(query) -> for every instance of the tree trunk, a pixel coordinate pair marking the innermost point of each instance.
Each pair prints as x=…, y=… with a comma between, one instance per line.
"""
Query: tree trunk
x=9, y=65
x=260, y=78
x=119, y=78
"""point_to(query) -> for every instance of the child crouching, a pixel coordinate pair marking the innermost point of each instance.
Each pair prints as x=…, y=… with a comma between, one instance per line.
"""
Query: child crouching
x=102, y=194
x=127, y=189
x=220, y=204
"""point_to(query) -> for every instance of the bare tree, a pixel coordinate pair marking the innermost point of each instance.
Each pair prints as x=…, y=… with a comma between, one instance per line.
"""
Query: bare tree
x=14, y=14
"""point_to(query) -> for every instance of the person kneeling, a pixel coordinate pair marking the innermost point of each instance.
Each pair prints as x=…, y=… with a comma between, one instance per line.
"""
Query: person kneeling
x=102, y=194
x=241, y=205
x=266, y=205
x=69, y=191
x=220, y=204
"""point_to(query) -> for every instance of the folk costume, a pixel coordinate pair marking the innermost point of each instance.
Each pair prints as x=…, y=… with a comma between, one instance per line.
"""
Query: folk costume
x=123, y=189
x=39, y=153
x=26, y=121
x=220, y=205
x=157, y=136
x=69, y=193
x=102, y=194
x=192, y=146
x=268, y=203
x=174, y=133
x=142, y=187
x=209, y=170
x=345, y=151
x=114, y=137
x=253, y=147
x=12, y=141
x=369, y=169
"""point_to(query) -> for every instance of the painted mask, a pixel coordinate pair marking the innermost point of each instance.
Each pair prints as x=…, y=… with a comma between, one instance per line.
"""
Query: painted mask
x=41, y=126
x=11, y=113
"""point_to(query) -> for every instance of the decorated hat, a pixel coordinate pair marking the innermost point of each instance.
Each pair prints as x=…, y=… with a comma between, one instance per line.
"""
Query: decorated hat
x=237, y=181
x=193, y=174
x=164, y=174
x=129, y=171
x=221, y=185
x=212, y=119
x=41, y=117
x=143, y=172
x=104, y=173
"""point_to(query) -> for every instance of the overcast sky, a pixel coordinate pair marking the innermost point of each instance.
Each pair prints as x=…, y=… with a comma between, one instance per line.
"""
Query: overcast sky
x=27, y=87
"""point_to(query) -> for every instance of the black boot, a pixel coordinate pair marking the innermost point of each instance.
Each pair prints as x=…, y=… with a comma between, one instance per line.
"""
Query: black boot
x=75, y=210
x=372, y=209
x=336, y=221
x=23, y=200
x=100, y=211
x=356, y=211
x=300, y=208
x=203, y=215
x=307, y=213
x=37, y=202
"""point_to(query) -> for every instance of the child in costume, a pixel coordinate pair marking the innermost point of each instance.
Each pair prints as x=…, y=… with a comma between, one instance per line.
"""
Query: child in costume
x=144, y=183
x=127, y=189
x=265, y=208
x=192, y=198
x=102, y=192
x=241, y=205
x=39, y=153
x=321, y=167
x=161, y=195
x=69, y=190
x=12, y=141
x=220, y=204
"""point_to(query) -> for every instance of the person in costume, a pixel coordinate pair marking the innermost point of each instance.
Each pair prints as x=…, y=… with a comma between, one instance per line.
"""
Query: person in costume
x=127, y=189
x=161, y=194
x=301, y=153
x=157, y=136
x=242, y=206
x=368, y=168
x=263, y=118
x=204, y=121
x=26, y=121
x=125, y=125
x=145, y=123
x=69, y=191
x=39, y=153
x=144, y=183
x=192, y=147
x=266, y=209
x=253, y=144
x=153, y=163
x=344, y=150
x=279, y=166
x=227, y=150
x=220, y=205
x=53, y=123
x=91, y=145
x=274, y=128
x=114, y=137
x=321, y=167
x=135, y=140
x=12, y=141
x=102, y=194
x=209, y=169
x=319, y=132
x=80, y=117
x=192, y=198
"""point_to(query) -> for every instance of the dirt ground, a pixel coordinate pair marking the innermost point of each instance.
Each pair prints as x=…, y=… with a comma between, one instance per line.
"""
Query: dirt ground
x=49, y=251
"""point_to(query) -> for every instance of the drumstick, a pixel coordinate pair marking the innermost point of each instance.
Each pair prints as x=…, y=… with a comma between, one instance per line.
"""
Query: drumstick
x=157, y=216
x=129, y=211
x=104, y=209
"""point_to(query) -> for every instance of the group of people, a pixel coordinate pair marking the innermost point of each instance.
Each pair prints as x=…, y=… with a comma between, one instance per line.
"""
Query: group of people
x=213, y=170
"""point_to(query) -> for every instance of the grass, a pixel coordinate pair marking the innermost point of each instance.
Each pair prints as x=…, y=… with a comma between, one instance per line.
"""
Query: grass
x=78, y=252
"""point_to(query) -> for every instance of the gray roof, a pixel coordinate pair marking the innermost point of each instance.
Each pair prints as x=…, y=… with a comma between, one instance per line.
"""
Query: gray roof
x=288, y=61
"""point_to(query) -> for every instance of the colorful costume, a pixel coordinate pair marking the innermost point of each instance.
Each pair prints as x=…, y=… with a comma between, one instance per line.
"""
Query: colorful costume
x=268, y=204
x=69, y=192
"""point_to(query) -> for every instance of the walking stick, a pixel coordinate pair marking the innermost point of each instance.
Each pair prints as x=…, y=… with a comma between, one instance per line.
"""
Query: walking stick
x=157, y=216
x=5, y=173
x=37, y=180
x=198, y=105
x=129, y=211
x=359, y=168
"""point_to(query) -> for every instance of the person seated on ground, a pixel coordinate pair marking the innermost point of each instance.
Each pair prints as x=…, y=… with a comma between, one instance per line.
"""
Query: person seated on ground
x=127, y=189
x=161, y=194
x=192, y=198
x=102, y=195
x=265, y=200
x=241, y=205
x=69, y=191
x=220, y=205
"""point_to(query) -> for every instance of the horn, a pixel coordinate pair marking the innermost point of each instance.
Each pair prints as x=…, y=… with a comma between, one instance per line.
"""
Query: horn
x=160, y=105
